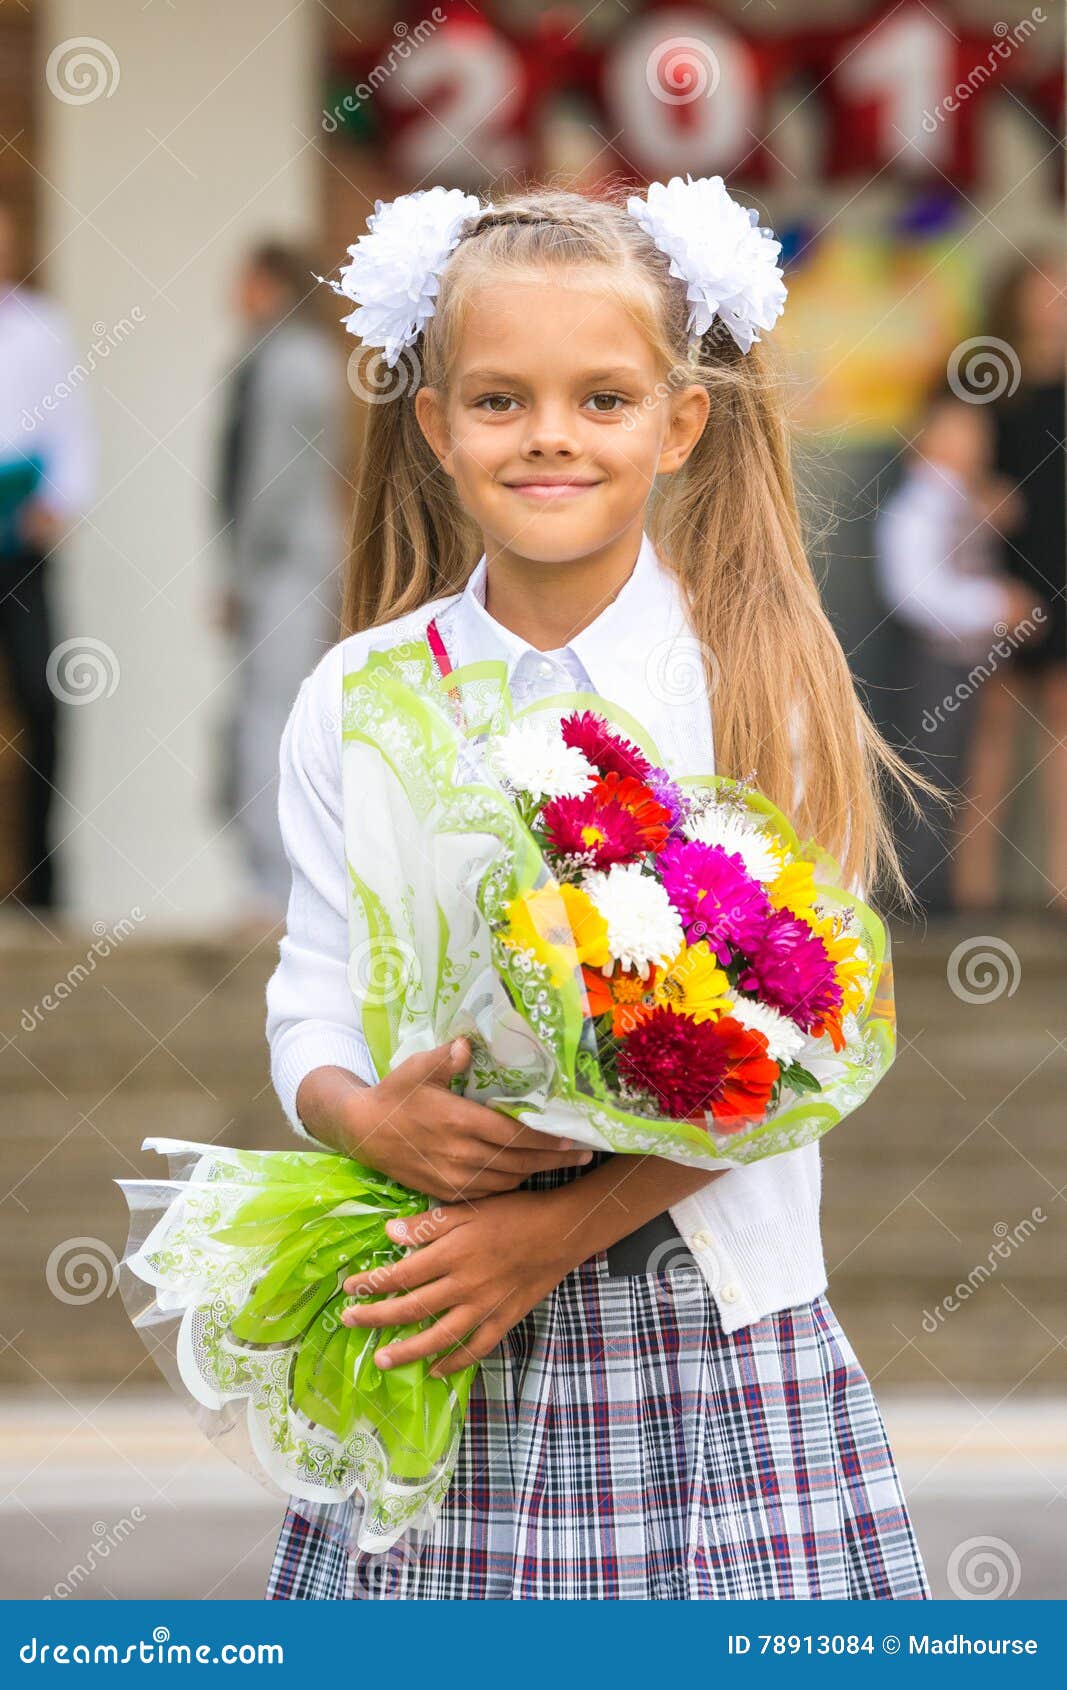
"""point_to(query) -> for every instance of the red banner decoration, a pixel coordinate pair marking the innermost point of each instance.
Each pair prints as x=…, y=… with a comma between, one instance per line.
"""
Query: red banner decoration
x=457, y=95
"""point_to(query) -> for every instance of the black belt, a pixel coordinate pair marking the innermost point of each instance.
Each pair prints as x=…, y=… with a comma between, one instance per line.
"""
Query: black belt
x=656, y=1247
x=653, y=1248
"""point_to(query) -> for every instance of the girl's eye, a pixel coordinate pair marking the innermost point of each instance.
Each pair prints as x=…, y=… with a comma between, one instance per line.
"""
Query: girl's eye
x=500, y=404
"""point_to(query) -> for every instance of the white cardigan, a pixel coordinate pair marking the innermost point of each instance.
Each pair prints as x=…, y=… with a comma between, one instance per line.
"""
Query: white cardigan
x=753, y=1230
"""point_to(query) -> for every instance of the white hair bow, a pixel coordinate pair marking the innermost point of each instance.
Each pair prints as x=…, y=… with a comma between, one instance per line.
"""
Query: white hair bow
x=715, y=245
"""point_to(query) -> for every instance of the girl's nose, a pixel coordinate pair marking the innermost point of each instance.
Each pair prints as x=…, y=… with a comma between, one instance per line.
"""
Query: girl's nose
x=549, y=430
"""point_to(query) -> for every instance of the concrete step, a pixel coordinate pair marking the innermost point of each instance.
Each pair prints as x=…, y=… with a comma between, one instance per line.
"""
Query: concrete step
x=964, y=1137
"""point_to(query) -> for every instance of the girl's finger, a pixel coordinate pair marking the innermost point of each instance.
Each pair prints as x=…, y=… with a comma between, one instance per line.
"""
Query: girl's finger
x=432, y=1224
x=445, y=1332
x=469, y=1350
x=416, y=1269
x=423, y=1304
x=493, y=1127
x=525, y=1162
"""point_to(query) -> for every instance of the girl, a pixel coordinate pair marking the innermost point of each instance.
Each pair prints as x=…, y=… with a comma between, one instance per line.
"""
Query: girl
x=634, y=1432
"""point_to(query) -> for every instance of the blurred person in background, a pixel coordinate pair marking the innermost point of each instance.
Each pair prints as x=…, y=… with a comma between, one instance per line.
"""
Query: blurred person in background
x=46, y=476
x=939, y=576
x=1029, y=318
x=278, y=490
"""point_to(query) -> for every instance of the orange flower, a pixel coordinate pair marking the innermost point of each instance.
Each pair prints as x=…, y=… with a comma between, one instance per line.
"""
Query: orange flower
x=623, y=995
x=830, y=1023
x=651, y=817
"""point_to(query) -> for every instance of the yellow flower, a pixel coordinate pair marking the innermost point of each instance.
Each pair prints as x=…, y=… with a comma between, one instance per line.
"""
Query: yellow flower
x=561, y=926
x=694, y=984
x=794, y=889
x=850, y=967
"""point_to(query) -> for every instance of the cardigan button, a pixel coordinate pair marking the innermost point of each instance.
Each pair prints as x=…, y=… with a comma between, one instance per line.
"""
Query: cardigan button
x=702, y=1240
x=729, y=1293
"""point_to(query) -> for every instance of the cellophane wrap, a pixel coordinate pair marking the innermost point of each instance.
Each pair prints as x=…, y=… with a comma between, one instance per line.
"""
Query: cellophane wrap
x=233, y=1274
x=235, y=1264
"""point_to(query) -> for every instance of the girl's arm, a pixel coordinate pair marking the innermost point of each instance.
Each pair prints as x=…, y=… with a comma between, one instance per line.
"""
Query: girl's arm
x=409, y=1125
x=478, y=1268
x=620, y=1196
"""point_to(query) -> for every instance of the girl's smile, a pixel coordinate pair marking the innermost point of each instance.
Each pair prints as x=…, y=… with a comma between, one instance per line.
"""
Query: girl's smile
x=550, y=491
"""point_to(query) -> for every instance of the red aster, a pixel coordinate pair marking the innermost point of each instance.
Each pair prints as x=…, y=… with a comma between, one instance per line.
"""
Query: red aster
x=607, y=751
x=652, y=817
x=691, y=1066
x=607, y=831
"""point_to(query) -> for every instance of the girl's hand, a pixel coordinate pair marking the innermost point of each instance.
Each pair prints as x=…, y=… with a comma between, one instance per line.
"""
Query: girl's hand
x=480, y=1267
x=413, y=1128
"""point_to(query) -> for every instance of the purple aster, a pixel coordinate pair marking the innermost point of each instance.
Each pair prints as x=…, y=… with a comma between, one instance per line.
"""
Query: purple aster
x=715, y=896
x=667, y=793
x=789, y=968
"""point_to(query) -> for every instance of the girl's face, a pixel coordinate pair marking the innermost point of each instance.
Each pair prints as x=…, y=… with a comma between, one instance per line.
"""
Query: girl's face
x=557, y=419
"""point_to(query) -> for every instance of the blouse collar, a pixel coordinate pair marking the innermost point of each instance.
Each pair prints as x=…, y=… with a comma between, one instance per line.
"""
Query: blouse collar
x=614, y=649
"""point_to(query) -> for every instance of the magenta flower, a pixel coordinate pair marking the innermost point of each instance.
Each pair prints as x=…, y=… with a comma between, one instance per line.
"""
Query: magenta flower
x=790, y=969
x=715, y=896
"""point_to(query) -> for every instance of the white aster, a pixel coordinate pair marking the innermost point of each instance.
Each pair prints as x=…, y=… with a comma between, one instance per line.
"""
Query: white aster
x=534, y=758
x=643, y=925
x=396, y=266
x=785, y=1041
x=716, y=246
x=718, y=825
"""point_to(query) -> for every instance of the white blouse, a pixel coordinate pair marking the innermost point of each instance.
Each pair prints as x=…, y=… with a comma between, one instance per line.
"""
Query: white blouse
x=753, y=1230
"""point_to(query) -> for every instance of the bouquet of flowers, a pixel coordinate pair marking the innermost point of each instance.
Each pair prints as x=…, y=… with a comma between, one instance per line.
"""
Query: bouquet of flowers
x=640, y=963
x=716, y=979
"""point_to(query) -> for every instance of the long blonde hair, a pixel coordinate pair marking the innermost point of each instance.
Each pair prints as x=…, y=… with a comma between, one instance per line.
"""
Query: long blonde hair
x=726, y=523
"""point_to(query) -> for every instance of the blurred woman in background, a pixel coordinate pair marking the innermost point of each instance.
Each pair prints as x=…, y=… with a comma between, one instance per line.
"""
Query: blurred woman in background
x=1030, y=318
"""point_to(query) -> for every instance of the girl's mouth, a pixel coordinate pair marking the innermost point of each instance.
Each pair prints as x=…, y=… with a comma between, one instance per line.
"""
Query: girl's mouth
x=549, y=491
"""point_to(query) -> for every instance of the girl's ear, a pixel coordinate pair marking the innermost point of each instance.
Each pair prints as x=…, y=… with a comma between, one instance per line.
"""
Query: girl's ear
x=689, y=414
x=430, y=415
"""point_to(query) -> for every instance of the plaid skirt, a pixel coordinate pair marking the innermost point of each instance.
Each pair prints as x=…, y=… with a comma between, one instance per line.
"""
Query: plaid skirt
x=619, y=1444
